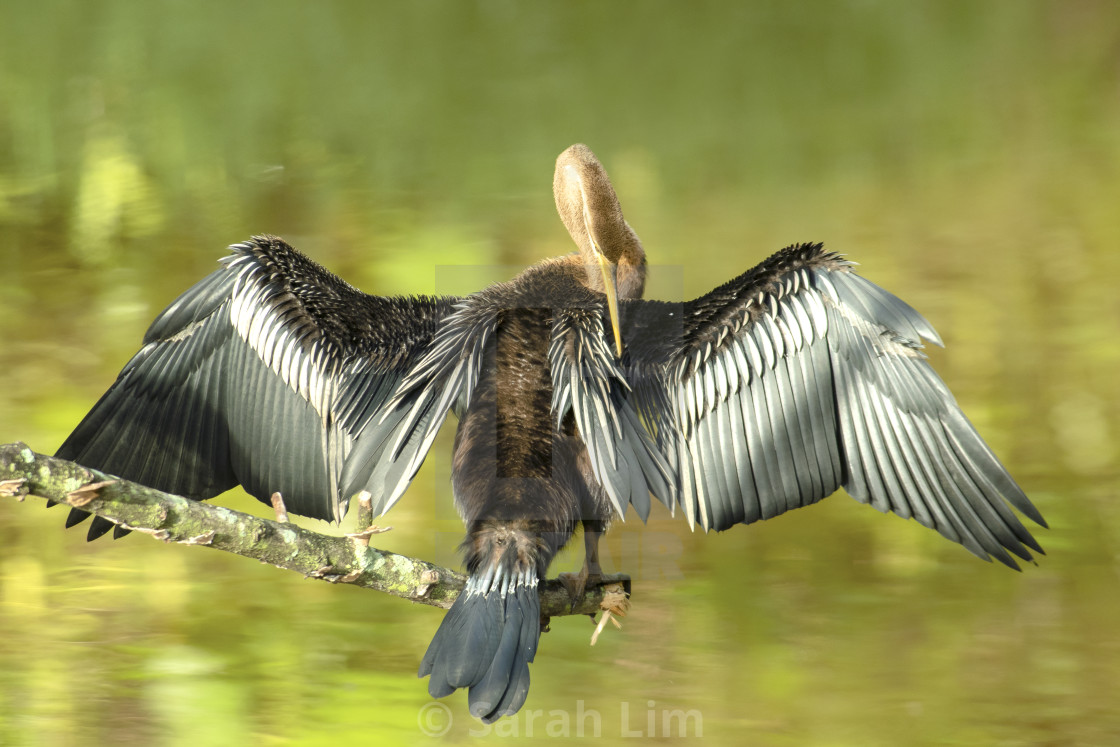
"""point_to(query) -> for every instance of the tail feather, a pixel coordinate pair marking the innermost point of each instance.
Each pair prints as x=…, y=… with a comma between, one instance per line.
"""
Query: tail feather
x=485, y=643
x=505, y=685
x=471, y=626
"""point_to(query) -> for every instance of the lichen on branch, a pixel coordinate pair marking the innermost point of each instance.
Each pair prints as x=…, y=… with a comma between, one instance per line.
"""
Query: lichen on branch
x=338, y=559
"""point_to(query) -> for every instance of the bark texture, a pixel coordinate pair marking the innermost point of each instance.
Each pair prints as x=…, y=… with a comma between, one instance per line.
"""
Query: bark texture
x=337, y=559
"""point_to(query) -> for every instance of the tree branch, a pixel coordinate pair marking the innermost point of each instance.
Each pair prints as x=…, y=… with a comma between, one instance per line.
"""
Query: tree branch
x=345, y=560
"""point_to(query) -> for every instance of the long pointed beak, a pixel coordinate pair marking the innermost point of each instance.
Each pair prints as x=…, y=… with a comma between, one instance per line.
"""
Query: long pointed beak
x=610, y=271
x=610, y=283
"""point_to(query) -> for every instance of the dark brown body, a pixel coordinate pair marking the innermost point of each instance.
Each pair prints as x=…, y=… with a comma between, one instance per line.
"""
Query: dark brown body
x=522, y=483
x=514, y=471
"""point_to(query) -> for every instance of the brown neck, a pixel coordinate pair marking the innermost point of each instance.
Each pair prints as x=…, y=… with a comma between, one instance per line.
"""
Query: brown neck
x=589, y=207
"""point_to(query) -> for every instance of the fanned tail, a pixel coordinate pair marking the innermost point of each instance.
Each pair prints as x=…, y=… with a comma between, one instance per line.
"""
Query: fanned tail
x=486, y=642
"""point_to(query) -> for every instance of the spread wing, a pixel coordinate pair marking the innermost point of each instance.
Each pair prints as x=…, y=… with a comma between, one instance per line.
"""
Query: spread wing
x=800, y=377
x=271, y=372
x=441, y=381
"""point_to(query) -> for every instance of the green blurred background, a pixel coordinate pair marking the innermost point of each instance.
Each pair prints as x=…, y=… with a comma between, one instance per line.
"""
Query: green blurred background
x=967, y=154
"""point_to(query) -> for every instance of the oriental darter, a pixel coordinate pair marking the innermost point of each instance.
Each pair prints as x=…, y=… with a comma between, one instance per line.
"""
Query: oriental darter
x=575, y=399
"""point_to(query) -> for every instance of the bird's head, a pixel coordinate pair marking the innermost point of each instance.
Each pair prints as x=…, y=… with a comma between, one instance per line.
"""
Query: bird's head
x=612, y=255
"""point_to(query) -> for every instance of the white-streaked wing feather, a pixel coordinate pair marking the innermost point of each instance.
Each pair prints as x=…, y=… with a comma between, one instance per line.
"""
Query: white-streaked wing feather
x=800, y=377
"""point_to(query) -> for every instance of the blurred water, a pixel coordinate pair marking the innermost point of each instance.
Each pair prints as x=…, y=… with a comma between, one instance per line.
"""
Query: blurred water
x=966, y=154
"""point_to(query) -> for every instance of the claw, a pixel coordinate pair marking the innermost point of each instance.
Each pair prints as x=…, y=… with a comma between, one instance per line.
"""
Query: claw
x=576, y=584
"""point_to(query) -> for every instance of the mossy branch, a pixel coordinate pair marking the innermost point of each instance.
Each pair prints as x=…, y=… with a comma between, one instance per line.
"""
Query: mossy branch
x=172, y=518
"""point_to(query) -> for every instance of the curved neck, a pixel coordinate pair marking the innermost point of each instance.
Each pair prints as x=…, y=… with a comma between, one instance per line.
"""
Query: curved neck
x=589, y=207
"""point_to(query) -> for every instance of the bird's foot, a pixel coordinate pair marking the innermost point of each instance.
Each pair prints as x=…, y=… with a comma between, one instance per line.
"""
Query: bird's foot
x=576, y=583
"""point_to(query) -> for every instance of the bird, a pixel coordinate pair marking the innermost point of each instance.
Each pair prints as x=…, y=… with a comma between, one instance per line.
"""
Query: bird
x=576, y=399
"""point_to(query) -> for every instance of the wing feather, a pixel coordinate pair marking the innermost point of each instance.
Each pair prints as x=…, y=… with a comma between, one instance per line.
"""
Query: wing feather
x=589, y=384
x=267, y=373
x=800, y=377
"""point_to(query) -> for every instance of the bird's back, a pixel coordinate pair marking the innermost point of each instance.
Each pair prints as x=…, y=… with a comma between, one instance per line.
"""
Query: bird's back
x=513, y=460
